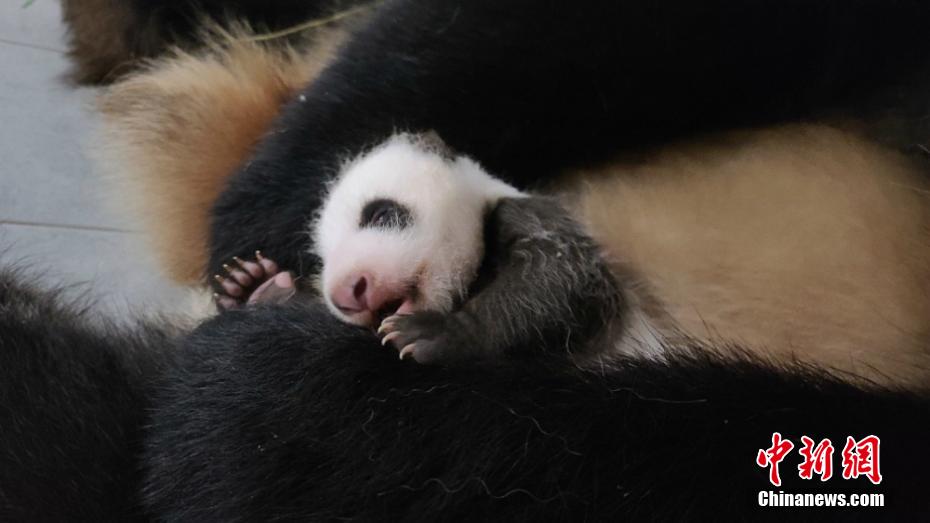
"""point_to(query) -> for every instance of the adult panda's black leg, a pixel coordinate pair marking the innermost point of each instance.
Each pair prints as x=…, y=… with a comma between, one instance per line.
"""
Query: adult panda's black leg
x=243, y=417
x=73, y=401
x=528, y=88
x=285, y=413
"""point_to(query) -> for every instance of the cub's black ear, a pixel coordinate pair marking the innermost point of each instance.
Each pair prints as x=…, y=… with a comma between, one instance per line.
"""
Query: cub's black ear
x=431, y=141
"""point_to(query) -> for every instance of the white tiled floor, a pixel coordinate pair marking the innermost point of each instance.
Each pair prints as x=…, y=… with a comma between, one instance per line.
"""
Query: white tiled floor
x=54, y=217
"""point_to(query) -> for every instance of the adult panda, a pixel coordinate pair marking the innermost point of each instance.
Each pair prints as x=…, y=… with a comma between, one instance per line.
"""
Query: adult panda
x=271, y=436
x=770, y=238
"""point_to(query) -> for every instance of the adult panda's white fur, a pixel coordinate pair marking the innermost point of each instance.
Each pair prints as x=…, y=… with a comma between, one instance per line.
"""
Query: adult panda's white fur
x=800, y=242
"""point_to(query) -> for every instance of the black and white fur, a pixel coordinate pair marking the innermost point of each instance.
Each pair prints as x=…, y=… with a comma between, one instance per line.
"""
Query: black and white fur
x=544, y=283
x=720, y=253
x=431, y=254
x=527, y=94
x=286, y=413
x=359, y=101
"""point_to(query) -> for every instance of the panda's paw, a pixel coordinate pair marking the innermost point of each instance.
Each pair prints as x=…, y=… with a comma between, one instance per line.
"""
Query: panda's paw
x=423, y=336
x=252, y=281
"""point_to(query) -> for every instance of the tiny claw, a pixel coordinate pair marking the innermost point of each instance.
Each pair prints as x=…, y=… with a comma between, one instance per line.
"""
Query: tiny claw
x=407, y=350
x=228, y=269
x=387, y=339
x=216, y=296
x=238, y=260
x=385, y=327
x=219, y=279
x=258, y=255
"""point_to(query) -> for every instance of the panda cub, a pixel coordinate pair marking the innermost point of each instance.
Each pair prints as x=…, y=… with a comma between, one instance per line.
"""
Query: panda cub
x=428, y=248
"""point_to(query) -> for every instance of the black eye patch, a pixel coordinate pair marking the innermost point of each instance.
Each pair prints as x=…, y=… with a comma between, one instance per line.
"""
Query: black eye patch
x=385, y=214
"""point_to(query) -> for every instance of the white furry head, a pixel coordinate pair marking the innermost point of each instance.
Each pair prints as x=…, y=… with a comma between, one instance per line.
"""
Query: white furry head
x=402, y=230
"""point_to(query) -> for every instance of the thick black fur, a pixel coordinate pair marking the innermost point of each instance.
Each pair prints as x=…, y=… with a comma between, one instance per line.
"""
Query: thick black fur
x=109, y=38
x=177, y=22
x=181, y=18
x=529, y=88
x=72, y=405
x=287, y=414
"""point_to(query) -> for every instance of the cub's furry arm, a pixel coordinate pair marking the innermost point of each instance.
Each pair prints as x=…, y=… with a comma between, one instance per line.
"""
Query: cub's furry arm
x=545, y=288
x=519, y=87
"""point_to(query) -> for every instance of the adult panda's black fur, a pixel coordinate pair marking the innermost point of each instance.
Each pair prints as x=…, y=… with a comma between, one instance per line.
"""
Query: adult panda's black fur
x=281, y=413
x=73, y=401
x=288, y=414
x=110, y=38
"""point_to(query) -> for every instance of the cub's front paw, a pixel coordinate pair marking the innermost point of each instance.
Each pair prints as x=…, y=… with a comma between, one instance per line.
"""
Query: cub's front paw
x=423, y=336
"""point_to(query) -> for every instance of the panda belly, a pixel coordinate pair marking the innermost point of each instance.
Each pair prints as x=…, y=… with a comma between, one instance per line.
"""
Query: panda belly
x=800, y=242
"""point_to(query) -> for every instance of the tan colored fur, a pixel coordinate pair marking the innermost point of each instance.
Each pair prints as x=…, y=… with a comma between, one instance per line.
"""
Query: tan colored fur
x=175, y=132
x=801, y=241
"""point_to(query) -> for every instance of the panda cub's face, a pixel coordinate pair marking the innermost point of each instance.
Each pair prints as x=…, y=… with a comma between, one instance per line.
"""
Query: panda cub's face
x=402, y=230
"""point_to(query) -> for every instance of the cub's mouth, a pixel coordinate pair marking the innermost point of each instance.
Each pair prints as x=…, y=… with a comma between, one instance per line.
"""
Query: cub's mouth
x=362, y=300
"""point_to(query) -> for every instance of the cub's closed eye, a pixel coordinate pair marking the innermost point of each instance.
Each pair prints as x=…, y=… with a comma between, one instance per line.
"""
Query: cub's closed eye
x=386, y=214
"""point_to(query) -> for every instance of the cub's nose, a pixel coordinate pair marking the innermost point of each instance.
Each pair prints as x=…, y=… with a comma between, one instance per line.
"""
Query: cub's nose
x=364, y=301
x=351, y=296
